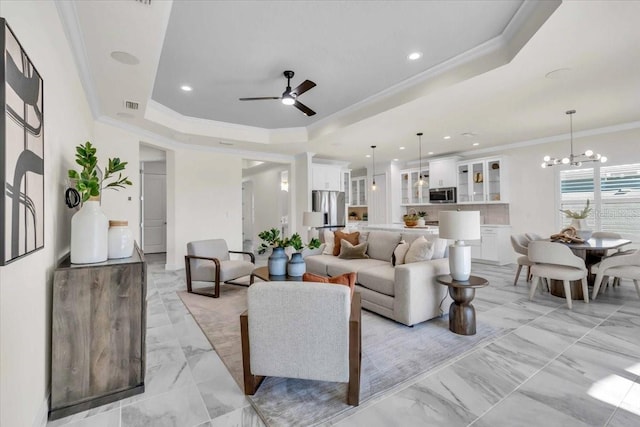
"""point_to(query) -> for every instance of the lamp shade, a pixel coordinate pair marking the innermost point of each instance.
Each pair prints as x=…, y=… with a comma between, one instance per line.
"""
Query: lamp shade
x=459, y=225
x=312, y=219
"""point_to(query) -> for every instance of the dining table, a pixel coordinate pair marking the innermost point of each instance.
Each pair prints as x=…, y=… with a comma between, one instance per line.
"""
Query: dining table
x=591, y=251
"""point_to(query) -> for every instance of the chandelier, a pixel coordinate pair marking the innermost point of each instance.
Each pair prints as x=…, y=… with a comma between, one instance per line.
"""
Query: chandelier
x=573, y=159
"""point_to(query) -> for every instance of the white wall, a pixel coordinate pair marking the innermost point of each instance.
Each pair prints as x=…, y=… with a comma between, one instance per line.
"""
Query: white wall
x=25, y=284
x=204, y=201
x=267, y=200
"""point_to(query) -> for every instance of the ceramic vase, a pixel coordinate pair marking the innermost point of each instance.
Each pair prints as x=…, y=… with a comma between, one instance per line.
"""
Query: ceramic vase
x=582, y=229
x=296, y=267
x=120, y=240
x=89, y=234
x=421, y=222
x=277, y=262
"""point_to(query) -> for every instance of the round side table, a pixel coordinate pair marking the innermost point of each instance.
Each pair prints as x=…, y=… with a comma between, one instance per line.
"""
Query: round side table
x=462, y=314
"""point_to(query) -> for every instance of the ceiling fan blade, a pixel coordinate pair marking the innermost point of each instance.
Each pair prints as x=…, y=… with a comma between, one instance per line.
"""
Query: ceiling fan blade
x=306, y=110
x=303, y=87
x=259, y=98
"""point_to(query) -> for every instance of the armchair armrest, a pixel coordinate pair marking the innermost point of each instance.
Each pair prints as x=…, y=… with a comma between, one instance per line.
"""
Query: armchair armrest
x=355, y=350
x=187, y=266
x=251, y=255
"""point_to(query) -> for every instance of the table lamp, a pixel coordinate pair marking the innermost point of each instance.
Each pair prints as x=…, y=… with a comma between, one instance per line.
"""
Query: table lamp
x=313, y=220
x=459, y=226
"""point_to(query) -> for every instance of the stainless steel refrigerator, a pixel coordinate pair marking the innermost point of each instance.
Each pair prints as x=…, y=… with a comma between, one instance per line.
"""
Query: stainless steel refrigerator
x=331, y=204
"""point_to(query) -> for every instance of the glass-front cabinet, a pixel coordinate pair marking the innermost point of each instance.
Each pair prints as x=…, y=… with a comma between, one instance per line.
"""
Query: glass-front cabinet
x=346, y=186
x=359, y=191
x=480, y=181
x=413, y=193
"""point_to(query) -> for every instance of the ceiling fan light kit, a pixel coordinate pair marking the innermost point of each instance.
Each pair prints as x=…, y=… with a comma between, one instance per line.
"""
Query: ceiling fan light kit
x=573, y=159
x=290, y=96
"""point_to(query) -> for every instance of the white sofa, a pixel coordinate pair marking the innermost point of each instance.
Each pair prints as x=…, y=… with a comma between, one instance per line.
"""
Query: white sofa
x=406, y=293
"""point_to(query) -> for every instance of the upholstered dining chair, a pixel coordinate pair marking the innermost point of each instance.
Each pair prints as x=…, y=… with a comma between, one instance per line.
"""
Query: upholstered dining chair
x=557, y=261
x=519, y=242
x=533, y=236
x=301, y=330
x=209, y=261
x=620, y=267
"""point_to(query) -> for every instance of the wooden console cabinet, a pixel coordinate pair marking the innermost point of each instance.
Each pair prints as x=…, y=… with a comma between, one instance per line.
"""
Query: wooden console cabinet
x=98, y=326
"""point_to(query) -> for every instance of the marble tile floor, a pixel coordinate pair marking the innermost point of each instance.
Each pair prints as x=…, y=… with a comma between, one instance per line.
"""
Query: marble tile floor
x=555, y=368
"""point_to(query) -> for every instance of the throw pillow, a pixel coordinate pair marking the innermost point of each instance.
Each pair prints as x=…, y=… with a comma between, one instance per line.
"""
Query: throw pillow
x=347, y=279
x=349, y=237
x=400, y=252
x=328, y=241
x=349, y=251
x=439, y=248
x=420, y=250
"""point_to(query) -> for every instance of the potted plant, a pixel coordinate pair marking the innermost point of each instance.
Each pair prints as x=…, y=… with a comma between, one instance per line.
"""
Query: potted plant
x=277, y=262
x=89, y=226
x=579, y=220
x=296, y=267
x=421, y=218
x=411, y=218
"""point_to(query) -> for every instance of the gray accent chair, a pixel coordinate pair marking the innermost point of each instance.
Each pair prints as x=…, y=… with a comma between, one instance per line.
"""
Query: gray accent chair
x=520, y=244
x=557, y=261
x=209, y=261
x=620, y=267
x=302, y=330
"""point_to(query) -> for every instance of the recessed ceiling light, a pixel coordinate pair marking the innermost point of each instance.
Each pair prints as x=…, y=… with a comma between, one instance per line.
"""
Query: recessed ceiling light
x=186, y=88
x=402, y=148
x=447, y=137
x=430, y=153
x=396, y=160
x=475, y=144
x=124, y=58
x=414, y=55
x=368, y=155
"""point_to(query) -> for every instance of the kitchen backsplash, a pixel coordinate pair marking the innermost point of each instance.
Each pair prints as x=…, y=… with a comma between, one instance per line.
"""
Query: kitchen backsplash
x=489, y=213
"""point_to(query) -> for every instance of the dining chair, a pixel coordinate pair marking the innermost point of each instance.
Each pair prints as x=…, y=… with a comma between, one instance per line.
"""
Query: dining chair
x=620, y=267
x=533, y=236
x=608, y=253
x=556, y=261
x=519, y=242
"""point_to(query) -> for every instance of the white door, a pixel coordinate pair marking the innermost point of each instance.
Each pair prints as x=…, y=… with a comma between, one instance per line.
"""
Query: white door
x=378, y=201
x=154, y=202
x=247, y=211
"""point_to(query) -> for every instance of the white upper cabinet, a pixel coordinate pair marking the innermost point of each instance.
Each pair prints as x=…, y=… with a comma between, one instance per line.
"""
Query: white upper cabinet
x=412, y=192
x=358, y=191
x=442, y=173
x=481, y=181
x=326, y=177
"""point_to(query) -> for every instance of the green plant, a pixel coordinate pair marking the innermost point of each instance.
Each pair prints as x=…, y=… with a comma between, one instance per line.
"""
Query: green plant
x=578, y=215
x=88, y=183
x=422, y=214
x=272, y=239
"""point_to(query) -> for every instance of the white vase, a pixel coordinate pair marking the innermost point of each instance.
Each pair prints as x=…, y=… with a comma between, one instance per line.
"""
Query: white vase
x=89, y=234
x=120, y=240
x=579, y=224
x=421, y=222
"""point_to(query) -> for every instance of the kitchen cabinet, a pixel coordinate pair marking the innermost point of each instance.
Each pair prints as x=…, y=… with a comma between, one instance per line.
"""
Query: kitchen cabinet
x=442, y=173
x=326, y=177
x=481, y=181
x=412, y=192
x=345, y=186
x=98, y=325
x=358, y=191
x=494, y=246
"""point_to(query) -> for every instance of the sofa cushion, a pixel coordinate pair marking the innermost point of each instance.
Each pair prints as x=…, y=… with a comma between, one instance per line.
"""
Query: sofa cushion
x=439, y=248
x=347, y=279
x=349, y=237
x=379, y=279
x=329, y=239
x=400, y=252
x=382, y=244
x=317, y=264
x=420, y=250
x=340, y=266
x=349, y=251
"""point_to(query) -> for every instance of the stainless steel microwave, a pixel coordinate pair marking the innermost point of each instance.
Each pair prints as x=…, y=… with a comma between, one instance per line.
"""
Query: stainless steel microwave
x=442, y=195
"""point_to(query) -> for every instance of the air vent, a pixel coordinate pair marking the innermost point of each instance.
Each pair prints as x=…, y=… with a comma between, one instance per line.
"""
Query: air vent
x=144, y=1
x=130, y=105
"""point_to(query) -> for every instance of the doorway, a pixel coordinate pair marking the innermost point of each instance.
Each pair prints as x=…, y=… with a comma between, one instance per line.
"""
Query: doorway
x=247, y=216
x=154, y=206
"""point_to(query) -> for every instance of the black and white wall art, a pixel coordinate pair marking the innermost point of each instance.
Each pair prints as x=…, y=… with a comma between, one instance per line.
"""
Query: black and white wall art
x=21, y=151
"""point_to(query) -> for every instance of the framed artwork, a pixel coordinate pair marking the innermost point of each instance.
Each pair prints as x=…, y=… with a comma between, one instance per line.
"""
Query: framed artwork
x=21, y=151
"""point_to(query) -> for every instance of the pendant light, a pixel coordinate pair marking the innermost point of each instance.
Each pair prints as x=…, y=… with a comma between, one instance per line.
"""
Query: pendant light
x=373, y=175
x=573, y=160
x=420, y=180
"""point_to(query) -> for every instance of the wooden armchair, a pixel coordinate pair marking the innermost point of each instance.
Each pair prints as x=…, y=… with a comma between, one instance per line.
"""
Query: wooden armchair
x=302, y=330
x=209, y=261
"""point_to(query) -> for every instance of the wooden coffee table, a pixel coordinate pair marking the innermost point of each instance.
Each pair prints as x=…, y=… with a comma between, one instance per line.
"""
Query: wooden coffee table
x=263, y=274
x=462, y=314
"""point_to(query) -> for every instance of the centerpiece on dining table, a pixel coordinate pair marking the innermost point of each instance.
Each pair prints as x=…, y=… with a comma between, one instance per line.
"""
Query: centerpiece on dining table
x=578, y=231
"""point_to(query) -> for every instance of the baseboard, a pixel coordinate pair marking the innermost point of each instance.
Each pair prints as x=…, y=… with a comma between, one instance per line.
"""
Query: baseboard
x=40, y=420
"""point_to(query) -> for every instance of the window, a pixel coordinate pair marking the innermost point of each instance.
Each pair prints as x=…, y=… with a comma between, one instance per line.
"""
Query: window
x=614, y=193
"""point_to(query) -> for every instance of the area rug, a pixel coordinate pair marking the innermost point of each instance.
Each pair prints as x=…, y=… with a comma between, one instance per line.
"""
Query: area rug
x=392, y=354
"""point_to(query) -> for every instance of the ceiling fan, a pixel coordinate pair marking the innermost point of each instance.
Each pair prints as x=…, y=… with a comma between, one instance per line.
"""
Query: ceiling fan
x=289, y=96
